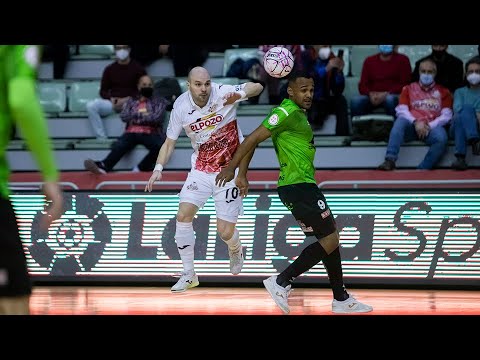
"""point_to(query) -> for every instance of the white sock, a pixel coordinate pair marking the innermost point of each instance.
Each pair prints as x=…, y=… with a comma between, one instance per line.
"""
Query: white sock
x=234, y=243
x=185, y=239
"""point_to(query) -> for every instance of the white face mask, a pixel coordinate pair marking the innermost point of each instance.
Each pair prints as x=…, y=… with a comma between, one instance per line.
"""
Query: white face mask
x=473, y=78
x=122, y=54
x=324, y=53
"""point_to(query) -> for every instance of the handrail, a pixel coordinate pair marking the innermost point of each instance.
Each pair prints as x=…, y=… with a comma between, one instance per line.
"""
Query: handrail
x=265, y=183
x=356, y=183
x=36, y=185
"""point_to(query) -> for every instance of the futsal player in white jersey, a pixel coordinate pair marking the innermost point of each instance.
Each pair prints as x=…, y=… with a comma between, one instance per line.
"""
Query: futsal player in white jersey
x=208, y=113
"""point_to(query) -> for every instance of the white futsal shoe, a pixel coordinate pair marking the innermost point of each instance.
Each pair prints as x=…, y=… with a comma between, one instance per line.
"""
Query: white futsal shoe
x=187, y=280
x=349, y=306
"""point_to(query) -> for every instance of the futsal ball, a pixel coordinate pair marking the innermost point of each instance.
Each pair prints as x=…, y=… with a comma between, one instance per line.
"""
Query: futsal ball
x=278, y=62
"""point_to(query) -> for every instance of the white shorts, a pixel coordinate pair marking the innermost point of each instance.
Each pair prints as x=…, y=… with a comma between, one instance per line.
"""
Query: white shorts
x=198, y=188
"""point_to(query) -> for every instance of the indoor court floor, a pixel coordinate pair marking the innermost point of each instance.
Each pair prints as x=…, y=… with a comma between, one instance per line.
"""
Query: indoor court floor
x=203, y=300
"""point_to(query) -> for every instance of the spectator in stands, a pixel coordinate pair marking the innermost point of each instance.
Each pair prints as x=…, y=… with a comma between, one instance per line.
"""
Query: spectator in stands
x=466, y=118
x=146, y=54
x=144, y=116
x=59, y=55
x=275, y=92
x=382, y=79
x=186, y=56
x=119, y=83
x=425, y=107
x=327, y=71
x=449, y=68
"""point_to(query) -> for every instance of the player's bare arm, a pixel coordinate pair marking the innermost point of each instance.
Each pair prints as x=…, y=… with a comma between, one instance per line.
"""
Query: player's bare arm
x=249, y=144
x=250, y=89
x=163, y=157
x=241, y=180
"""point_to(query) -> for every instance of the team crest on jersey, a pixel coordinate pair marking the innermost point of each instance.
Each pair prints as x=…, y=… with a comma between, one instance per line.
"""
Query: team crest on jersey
x=321, y=204
x=212, y=108
x=208, y=122
x=273, y=120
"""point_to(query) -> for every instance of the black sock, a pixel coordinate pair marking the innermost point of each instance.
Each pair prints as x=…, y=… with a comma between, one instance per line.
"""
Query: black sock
x=460, y=156
x=309, y=257
x=333, y=264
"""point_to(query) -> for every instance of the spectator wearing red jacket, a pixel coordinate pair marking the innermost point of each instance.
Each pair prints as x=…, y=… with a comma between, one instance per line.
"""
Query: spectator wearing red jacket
x=383, y=77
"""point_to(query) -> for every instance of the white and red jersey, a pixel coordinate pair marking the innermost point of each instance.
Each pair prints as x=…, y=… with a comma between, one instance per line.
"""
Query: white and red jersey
x=432, y=104
x=213, y=129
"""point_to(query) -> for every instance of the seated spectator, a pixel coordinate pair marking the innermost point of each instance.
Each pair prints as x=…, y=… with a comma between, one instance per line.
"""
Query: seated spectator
x=383, y=77
x=185, y=56
x=466, y=115
x=118, y=84
x=327, y=72
x=449, y=68
x=144, y=117
x=146, y=54
x=59, y=55
x=423, y=110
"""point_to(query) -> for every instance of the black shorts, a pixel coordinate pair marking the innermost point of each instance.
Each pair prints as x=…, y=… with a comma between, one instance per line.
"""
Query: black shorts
x=309, y=207
x=14, y=277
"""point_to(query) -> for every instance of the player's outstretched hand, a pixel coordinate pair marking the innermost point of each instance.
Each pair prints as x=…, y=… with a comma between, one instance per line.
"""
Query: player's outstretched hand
x=242, y=184
x=224, y=176
x=156, y=175
x=230, y=98
x=53, y=193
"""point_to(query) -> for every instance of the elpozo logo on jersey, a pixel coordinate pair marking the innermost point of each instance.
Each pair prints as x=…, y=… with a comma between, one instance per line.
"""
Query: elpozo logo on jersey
x=273, y=120
x=208, y=122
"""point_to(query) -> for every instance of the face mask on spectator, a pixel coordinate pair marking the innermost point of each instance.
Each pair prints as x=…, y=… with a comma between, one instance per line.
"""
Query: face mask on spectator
x=385, y=49
x=122, y=54
x=473, y=78
x=426, y=79
x=146, y=91
x=324, y=53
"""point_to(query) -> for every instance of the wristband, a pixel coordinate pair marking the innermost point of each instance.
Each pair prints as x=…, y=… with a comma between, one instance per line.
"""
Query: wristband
x=243, y=94
x=158, y=167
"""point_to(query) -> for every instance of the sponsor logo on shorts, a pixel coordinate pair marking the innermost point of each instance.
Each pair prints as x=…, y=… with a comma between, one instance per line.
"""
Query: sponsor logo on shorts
x=325, y=214
x=304, y=227
x=193, y=186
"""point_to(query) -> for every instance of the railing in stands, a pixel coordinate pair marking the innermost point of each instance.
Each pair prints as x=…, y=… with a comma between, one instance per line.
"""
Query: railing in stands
x=356, y=183
x=36, y=185
x=266, y=184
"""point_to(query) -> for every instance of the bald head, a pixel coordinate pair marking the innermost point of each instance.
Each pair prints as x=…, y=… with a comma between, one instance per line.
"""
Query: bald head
x=200, y=85
x=198, y=73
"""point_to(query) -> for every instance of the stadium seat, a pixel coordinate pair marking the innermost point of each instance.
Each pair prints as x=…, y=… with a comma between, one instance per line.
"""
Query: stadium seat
x=80, y=93
x=222, y=80
x=52, y=96
x=351, y=87
x=94, y=52
x=464, y=52
x=358, y=55
x=415, y=52
x=232, y=54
